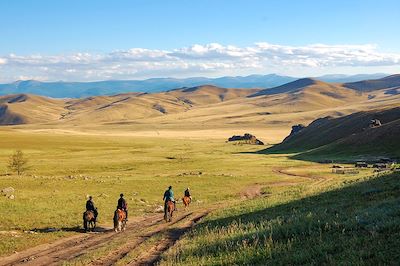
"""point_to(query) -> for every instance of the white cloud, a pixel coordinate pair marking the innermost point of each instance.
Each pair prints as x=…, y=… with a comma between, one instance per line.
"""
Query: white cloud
x=210, y=59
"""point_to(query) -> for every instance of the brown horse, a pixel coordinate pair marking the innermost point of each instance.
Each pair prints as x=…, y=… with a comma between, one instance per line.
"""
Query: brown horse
x=186, y=201
x=89, y=221
x=119, y=220
x=170, y=210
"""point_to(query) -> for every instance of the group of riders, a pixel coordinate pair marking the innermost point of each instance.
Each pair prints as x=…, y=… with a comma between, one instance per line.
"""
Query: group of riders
x=122, y=204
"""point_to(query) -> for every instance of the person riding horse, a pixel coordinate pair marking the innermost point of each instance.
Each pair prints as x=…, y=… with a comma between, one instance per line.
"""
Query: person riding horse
x=122, y=205
x=168, y=196
x=187, y=194
x=187, y=198
x=90, y=207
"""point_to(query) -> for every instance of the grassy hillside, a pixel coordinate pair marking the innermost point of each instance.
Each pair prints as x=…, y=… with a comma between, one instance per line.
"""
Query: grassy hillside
x=290, y=87
x=367, y=145
x=30, y=109
x=375, y=84
x=357, y=223
x=201, y=107
x=22, y=108
x=348, y=135
x=208, y=94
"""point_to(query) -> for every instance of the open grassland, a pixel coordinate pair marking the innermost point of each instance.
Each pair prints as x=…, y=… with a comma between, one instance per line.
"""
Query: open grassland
x=65, y=168
x=354, y=222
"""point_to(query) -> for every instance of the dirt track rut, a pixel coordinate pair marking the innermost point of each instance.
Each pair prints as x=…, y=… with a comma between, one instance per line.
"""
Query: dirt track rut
x=74, y=249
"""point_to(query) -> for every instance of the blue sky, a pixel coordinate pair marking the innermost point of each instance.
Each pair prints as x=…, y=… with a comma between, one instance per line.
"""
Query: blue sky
x=53, y=40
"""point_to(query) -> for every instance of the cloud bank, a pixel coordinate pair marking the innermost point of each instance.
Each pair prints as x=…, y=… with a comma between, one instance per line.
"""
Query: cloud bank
x=209, y=60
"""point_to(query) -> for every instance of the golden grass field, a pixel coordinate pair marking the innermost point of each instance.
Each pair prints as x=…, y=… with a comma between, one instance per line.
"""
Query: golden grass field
x=139, y=145
x=65, y=167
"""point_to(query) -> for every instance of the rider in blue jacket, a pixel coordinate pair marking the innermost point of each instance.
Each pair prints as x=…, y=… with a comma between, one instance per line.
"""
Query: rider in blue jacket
x=168, y=196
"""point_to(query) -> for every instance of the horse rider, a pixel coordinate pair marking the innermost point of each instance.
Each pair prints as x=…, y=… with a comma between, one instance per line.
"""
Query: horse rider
x=187, y=194
x=168, y=196
x=90, y=207
x=122, y=205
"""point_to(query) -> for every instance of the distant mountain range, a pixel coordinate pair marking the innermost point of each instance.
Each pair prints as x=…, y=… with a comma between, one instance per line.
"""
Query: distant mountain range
x=62, y=89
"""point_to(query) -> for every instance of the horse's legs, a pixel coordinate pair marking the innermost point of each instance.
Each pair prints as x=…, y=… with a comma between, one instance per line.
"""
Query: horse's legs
x=92, y=225
x=86, y=225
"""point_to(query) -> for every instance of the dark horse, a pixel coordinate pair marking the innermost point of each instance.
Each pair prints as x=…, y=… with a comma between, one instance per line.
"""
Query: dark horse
x=170, y=207
x=89, y=221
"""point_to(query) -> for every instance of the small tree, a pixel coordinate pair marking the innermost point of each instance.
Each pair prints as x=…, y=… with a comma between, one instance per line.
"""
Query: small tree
x=17, y=162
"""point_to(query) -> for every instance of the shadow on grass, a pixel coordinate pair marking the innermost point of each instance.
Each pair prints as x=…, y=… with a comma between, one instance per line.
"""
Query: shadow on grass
x=275, y=149
x=272, y=150
x=76, y=229
x=356, y=224
x=308, y=155
x=332, y=153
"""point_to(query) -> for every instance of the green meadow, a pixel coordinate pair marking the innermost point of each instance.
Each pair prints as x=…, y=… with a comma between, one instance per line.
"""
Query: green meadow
x=65, y=168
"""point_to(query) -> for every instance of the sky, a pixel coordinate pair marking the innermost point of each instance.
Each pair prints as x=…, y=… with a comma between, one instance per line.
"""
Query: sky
x=74, y=40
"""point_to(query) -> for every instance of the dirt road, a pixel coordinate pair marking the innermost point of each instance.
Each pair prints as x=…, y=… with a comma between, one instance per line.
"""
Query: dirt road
x=318, y=180
x=142, y=243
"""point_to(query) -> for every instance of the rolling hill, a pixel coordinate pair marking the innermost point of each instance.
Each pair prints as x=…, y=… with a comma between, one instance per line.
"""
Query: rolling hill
x=208, y=94
x=62, y=89
x=348, y=134
x=197, y=108
x=31, y=109
x=388, y=82
x=290, y=87
x=309, y=85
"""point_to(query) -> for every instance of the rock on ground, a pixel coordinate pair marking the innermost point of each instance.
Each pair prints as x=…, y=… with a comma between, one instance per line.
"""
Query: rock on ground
x=8, y=190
